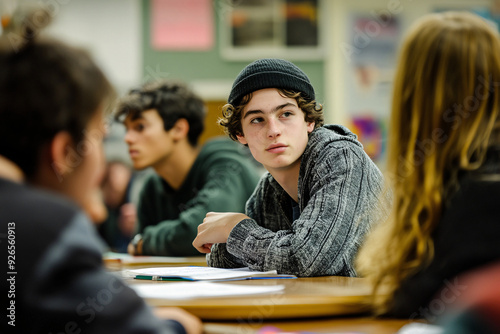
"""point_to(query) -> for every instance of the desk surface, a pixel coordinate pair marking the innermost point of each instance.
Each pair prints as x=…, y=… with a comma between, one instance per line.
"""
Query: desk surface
x=302, y=297
x=352, y=325
x=330, y=304
x=118, y=261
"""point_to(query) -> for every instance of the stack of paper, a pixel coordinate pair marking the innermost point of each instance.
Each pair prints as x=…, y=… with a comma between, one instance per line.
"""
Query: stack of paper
x=195, y=273
x=190, y=290
x=420, y=328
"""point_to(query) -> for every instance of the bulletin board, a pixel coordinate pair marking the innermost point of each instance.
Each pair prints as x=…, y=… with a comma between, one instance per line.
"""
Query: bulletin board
x=251, y=29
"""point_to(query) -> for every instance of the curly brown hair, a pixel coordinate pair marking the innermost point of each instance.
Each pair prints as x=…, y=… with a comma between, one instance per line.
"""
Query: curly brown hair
x=231, y=115
x=172, y=100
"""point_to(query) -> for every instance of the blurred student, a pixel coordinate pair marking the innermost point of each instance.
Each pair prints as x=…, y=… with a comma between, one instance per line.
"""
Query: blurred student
x=311, y=211
x=477, y=308
x=120, y=225
x=443, y=164
x=52, y=101
x=163, y=122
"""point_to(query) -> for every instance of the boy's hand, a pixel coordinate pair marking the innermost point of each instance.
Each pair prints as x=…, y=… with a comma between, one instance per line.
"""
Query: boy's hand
x=215, y=229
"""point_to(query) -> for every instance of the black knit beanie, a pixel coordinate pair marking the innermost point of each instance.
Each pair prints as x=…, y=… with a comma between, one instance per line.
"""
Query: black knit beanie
x=270, y=73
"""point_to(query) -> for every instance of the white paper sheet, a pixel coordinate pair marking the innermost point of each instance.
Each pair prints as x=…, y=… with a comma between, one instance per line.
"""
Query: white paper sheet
x=420, y=328
x=191, y=290
x=202, y=273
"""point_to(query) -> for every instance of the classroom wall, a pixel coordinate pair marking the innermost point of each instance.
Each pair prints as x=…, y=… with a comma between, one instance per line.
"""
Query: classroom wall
x=207, y=71
x=359, y=69
x=117, y=32
x=339, y=30
x=110, y=30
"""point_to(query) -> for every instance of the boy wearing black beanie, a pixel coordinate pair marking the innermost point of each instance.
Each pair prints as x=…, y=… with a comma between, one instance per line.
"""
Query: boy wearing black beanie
x=311, y=211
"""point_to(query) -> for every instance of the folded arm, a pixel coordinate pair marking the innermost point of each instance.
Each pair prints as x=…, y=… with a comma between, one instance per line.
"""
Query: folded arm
x=325, y=238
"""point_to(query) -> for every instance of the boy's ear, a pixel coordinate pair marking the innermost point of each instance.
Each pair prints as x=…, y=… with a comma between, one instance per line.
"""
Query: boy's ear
x=59, y=150
x=310, y=127
x=180, y=129
x=242, y=139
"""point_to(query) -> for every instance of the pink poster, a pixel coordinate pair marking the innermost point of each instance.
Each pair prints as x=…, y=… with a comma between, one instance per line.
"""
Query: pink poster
x=182, y=24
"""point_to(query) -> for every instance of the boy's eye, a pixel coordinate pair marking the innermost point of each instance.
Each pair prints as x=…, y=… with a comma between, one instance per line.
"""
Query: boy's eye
x=256, y=120
x=287, y=114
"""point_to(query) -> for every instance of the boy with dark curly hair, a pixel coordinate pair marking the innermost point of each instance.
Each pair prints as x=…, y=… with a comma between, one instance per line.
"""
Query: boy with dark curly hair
x=164, y=120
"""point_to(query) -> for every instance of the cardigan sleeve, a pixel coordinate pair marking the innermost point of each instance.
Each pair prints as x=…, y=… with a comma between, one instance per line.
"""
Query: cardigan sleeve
x=331, y=226
x=219, y=257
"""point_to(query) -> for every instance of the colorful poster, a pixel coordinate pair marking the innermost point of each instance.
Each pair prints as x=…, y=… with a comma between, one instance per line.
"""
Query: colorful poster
x=372, y=55
x=182, y=25
x=372, y=133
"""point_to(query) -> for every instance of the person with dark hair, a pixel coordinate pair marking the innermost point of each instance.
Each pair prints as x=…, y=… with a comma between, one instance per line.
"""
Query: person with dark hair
x=311, y=211
x=163, y=122
x=53, y=99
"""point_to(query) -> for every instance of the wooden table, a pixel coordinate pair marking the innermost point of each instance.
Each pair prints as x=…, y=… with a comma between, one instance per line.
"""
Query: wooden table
x=351, y=325
x=302, y=297
x=329, y=304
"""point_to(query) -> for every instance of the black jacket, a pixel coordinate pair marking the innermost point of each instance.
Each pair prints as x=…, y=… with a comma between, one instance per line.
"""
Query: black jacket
x=467, y=237
x=55, y=281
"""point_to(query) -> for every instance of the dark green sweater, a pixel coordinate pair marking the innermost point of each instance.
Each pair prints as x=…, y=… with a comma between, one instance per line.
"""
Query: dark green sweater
x=221, y=180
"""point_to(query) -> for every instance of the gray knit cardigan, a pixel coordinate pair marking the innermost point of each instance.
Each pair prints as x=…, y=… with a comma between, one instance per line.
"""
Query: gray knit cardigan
x=339, y=187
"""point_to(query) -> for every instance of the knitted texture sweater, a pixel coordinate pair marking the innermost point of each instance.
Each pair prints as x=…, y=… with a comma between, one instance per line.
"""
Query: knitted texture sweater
x=338, y=186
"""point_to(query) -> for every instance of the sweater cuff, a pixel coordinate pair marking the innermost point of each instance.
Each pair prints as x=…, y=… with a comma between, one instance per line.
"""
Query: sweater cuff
x=146, y=242
x=238, y=237
x=219, y=257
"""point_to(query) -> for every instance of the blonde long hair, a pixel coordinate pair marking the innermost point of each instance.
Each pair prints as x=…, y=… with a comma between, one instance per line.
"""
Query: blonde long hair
x=445, y=111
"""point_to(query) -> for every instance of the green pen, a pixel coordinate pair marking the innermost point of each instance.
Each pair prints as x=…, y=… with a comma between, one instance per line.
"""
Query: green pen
x=159, y=278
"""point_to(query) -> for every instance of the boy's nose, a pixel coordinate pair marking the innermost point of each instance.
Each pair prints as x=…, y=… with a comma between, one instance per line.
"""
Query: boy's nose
x=273, y=129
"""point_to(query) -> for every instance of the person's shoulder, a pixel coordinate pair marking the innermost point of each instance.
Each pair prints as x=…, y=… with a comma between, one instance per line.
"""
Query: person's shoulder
x=334, y=134
x=475, y=199
x=476, y=194
x=335, y=147
x=17, y=198
x=39, y=216
x=223, y=149
x=482, y=183
x=221, y=146
x=327, y=139
x=153, y=182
